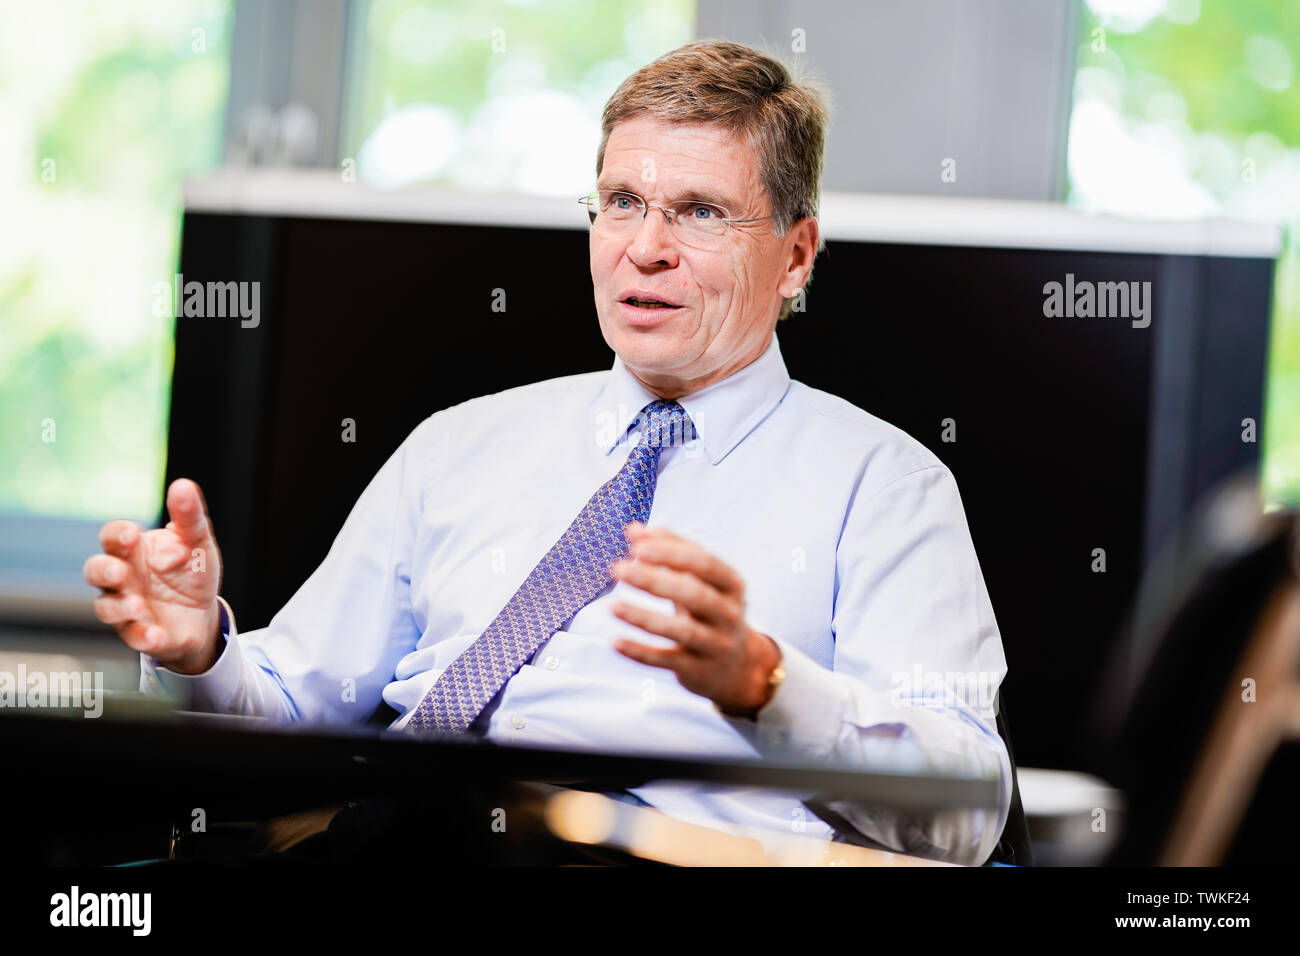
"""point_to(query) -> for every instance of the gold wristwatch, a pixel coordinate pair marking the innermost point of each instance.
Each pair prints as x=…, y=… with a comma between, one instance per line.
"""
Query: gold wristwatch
x=773, y=682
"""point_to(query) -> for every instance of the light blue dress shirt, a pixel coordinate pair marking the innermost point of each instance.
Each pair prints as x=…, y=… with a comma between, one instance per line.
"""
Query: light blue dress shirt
x=849, y=534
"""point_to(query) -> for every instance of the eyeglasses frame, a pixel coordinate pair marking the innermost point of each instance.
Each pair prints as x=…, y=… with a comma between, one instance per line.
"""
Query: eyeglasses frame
x=668, y=214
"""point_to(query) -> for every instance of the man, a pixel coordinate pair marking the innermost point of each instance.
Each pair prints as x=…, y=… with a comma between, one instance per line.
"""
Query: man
x=762, y=568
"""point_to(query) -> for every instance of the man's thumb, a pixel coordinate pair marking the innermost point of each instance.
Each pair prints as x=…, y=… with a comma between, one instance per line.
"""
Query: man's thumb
x=185, y=508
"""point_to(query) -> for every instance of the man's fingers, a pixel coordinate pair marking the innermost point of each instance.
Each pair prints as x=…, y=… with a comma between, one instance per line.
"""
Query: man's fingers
x=167, y=552
x=116, y=608
x=146, y=638
x=119, y=537
x=702, y=600
x=185, y=507
x=105, y=571
x=661, y=546
x=670, y=658
x=680, y=628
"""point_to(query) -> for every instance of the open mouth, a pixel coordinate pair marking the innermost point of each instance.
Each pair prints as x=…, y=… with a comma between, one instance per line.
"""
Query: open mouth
x=640, y=303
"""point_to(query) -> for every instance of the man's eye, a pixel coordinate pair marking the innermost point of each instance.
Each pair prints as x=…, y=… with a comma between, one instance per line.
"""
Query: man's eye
x=624, y=203
x=703, y=211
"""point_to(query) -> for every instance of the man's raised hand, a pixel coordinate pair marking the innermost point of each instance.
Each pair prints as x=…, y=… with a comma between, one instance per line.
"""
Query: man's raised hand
x=160, y=587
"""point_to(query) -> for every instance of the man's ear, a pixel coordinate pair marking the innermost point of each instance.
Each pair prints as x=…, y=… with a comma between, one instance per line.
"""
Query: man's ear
x=801, y=244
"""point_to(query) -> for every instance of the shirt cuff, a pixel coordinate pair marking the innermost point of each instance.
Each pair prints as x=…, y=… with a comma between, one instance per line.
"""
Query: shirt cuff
x=212, y=691
x=805, y=715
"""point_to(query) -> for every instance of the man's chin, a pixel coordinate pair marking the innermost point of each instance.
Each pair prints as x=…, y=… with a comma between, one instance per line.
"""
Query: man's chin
x=648, y=354
x=653, y=349
x=623, y=337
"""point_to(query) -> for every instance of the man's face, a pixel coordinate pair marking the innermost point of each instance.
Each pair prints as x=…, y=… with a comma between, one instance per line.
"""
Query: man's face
x=725, y=297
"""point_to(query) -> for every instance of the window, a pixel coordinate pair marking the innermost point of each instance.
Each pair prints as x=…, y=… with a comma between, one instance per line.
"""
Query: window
x=495, y=96
x=104, y=109
x=1186, y=109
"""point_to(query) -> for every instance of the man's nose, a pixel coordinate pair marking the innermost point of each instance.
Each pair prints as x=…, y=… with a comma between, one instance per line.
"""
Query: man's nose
x=653, y=242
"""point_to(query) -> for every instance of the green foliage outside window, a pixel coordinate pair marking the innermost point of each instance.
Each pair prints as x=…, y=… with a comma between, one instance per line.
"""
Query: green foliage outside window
x=1192, y=108
x=104, y=110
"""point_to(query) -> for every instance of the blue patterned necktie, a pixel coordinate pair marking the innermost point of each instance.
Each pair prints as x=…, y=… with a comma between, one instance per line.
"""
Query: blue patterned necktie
x=569, y=576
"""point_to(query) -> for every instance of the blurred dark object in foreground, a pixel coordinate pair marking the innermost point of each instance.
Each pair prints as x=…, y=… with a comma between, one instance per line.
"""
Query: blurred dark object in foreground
x=1199, y=714
x=115, y=789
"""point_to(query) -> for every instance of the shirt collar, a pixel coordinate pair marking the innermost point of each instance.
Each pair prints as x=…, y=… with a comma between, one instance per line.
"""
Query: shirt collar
x=723, y=413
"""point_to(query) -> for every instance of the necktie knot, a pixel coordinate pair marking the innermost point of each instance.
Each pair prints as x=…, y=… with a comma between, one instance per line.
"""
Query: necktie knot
x=664, y=423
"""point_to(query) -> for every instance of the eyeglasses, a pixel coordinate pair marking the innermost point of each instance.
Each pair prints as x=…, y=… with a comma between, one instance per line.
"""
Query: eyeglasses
x=619, y=213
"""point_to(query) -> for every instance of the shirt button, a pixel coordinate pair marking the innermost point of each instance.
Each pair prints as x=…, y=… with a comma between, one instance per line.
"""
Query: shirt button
x=517, y=723
x=552, y=662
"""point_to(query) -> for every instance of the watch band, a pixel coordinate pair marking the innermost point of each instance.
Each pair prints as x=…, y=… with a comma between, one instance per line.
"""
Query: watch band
x=778, y=675
x=774, y=681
